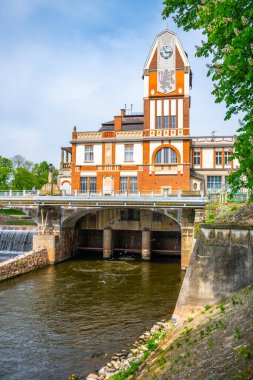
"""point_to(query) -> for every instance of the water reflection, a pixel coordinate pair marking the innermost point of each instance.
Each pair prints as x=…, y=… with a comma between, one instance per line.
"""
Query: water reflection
x=66, y=318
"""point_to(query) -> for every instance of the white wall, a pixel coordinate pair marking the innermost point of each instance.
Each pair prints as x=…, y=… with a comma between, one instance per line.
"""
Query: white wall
x=207, y=158
x=120, y=153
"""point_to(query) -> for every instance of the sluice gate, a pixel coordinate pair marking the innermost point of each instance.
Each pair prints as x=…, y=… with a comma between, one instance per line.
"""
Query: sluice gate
x=127, y=231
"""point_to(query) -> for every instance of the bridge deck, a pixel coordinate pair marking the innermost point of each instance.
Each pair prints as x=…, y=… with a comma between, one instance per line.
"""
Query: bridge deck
x=104, y=201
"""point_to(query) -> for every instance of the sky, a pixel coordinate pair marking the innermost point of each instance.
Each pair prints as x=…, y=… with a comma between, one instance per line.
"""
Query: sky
x=66, y=63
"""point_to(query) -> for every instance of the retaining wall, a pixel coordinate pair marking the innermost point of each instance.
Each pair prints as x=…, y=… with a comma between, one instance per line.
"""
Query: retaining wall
x=221, y=264
x=23, y=263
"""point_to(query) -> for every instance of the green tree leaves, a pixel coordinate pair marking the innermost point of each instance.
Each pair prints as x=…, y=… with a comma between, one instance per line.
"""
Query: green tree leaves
x=228, y=29
x=5, y=172
x=19, y=174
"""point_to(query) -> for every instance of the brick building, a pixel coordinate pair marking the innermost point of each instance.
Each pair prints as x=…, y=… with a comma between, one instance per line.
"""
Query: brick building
x=153, y=150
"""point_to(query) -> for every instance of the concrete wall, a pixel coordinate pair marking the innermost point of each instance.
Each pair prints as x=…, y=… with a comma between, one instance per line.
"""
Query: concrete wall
x=221, y=264
x=24, y=263
x=59, y=247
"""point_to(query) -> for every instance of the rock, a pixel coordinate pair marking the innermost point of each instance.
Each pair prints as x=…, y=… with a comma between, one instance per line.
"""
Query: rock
x=92, y=376
x=115, y=364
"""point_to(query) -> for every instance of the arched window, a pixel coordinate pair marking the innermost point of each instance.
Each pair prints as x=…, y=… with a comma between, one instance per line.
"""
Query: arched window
x=166, y=156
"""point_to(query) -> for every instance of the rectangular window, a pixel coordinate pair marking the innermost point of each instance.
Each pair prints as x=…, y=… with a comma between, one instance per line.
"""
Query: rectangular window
x=158, y=122
x=133, y=184
x=213, y=182
x=84, y=184
x=123, y=184
x=93, y=184
x=129, y=153
x=218, y=158
x=166, y=122
x=227, y=156
x=88, y=153
x=130, y=214
x=173, y=124
x=196, y=158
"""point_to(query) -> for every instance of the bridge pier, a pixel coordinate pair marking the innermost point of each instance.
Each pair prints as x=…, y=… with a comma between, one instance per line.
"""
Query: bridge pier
x=145, y=249
x=107, y=243
x=48, y=242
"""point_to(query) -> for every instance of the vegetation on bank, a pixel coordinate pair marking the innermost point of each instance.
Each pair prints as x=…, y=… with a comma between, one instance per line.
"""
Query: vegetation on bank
x=12, y=217
x=9, y=211
x=230, y=214
x=217, y=343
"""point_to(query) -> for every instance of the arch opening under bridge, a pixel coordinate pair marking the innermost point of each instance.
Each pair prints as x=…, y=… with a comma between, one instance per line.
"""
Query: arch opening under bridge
x=123, y=231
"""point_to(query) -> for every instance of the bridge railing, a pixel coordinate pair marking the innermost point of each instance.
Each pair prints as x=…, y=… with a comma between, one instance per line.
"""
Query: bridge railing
x=17, y=193
x=102, y=194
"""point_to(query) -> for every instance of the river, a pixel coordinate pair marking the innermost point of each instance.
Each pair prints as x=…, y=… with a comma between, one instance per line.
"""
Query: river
x=71, y=317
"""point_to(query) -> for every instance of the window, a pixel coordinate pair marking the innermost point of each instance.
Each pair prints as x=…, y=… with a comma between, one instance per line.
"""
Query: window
x=166, y=156
x=123, y=184
x=88, y=184
x=173, y=122
x=129, y=153
x=213, y=182
x=128, y=184
x=196, y=158
x=93, y=184
x=84, y=184
x=133, y=184
x=218, y=158
x=130, y=214
x=159, y=122
x=88, y=153
x=166, y=122
x=227, y=156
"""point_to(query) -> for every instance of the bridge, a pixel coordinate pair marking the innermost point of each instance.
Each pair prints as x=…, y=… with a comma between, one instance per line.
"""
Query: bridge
x=150, y=223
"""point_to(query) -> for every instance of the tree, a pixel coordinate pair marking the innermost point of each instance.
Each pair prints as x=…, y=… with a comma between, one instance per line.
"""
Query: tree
x=23, y=179
x=41, y=174
x=19, y=161
x=227, y=26
x=5, y=172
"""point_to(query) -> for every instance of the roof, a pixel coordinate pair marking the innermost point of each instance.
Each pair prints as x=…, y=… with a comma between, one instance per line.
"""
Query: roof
x=129, y=123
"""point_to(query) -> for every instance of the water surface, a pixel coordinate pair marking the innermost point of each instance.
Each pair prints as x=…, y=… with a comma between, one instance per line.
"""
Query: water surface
x=71, y=317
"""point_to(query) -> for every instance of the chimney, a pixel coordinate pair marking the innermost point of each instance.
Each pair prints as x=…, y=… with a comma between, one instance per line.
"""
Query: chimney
x=122, y=112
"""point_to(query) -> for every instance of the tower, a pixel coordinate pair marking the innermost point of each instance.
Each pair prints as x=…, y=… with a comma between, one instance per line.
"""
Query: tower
x=167, y=82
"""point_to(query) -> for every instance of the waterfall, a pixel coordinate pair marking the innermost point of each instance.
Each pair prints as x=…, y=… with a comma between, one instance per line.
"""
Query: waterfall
x=15, y=242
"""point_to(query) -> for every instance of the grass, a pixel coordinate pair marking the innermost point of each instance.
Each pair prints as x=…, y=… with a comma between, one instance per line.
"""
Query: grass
x=8, y=211
x=152, y=344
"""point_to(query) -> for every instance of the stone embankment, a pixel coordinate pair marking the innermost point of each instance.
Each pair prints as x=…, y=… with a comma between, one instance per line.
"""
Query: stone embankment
x=125, y=360
x=23, y=263
x=216, y=344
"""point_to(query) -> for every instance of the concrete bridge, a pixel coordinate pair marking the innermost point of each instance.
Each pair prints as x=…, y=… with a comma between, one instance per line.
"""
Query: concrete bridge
x=148, y=224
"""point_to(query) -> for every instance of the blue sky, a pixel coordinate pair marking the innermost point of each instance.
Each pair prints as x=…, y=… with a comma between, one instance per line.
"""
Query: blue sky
x=66, y=63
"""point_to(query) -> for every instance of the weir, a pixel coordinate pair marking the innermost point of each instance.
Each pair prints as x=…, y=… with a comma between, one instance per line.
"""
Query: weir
x=15, y=242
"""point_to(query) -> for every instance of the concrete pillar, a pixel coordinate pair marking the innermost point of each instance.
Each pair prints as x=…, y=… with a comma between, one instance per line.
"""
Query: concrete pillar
x=107, y=243
x=48, y=242
x=187, y=237
x=145, y=249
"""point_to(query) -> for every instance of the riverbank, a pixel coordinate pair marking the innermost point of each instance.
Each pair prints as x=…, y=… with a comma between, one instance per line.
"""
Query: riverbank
x=24, y=263
x=215, y=344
